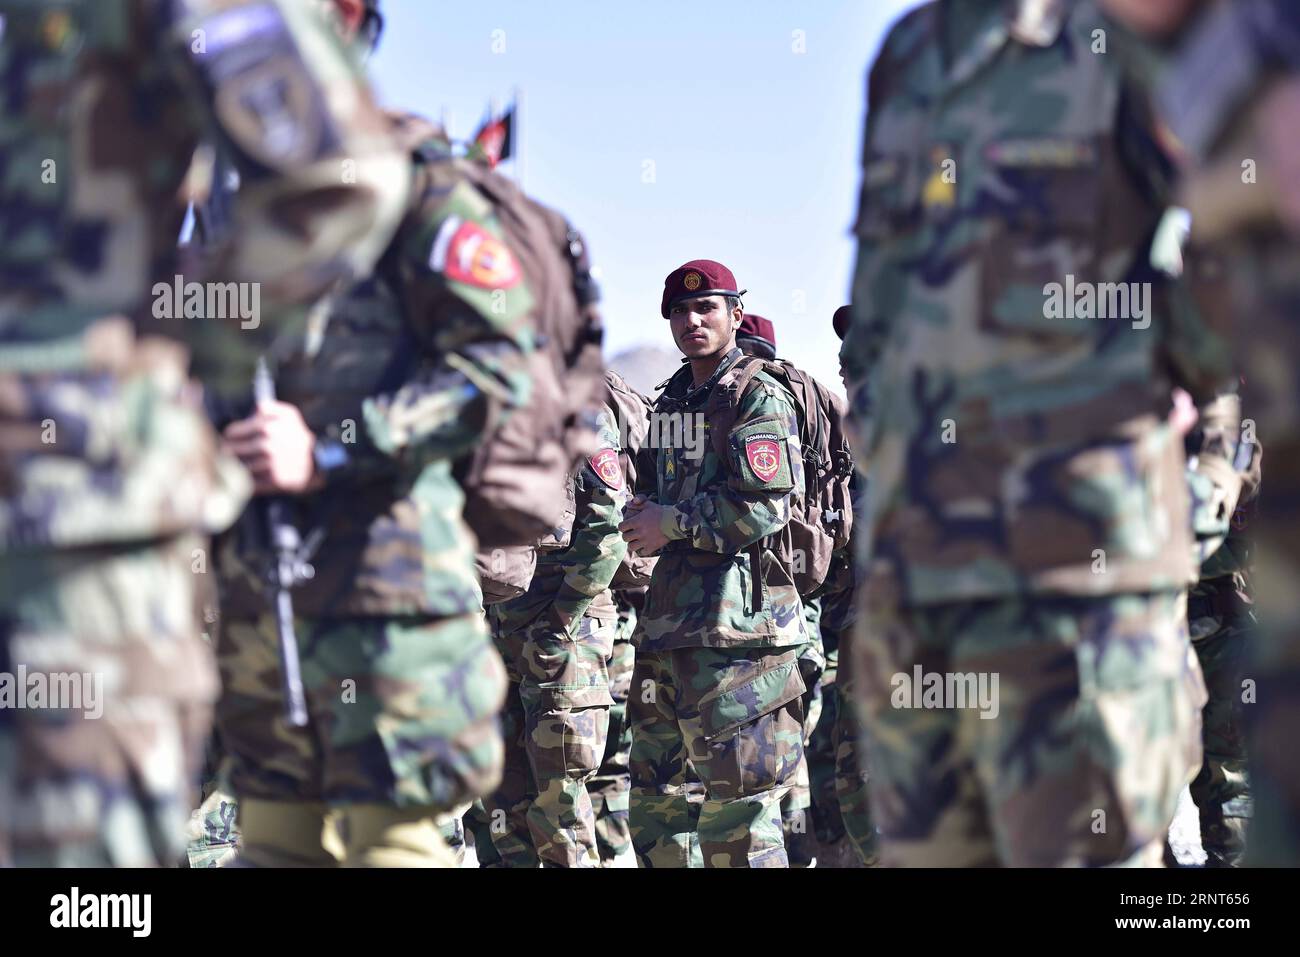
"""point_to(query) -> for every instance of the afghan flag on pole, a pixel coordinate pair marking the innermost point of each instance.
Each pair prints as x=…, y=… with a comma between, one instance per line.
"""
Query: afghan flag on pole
x=495, y=138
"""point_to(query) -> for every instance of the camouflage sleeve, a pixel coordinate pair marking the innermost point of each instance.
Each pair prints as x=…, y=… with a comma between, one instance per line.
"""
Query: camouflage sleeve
x=322, y=182
x=597, y=547
x=467, y=305
x=764, y=468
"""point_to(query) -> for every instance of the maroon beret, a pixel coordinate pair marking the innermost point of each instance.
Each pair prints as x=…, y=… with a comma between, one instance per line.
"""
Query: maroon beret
x=840, y=321
x=757, y=327
x=695, y=279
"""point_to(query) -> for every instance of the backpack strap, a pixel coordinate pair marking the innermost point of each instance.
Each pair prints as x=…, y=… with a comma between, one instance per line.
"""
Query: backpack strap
x=723, y=405
x=808, y=406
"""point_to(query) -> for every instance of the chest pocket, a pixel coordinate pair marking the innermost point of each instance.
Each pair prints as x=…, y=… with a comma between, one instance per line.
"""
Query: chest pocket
x=1043, y=204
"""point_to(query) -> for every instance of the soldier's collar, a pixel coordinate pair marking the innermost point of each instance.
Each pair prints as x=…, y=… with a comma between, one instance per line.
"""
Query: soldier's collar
x=690, y=392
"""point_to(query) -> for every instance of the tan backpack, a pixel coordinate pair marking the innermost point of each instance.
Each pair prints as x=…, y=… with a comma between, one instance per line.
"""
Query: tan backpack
x=515, y=480
x=505, y=573
x=821, y=521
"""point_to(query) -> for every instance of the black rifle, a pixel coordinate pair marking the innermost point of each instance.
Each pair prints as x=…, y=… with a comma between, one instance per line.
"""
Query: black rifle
x=289, y=567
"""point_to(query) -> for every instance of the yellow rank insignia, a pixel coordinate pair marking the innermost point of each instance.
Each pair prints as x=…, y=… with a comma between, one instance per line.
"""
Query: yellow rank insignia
x=940, y=191
x=670, y=464
x=691, y=281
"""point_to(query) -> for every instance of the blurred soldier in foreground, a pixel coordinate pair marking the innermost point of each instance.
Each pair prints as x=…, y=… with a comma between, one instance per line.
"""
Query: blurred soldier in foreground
x=403, y=373
x=1229, y=91
x=716, y=680
x=1029, y=694
x=109, y=474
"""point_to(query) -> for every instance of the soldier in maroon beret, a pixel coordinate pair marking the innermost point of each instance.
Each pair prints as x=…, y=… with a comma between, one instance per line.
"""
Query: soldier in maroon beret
x=756, y=336
x=722, y=614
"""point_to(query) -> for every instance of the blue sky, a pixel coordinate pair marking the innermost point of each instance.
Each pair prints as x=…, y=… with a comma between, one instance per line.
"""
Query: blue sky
x=670, y=131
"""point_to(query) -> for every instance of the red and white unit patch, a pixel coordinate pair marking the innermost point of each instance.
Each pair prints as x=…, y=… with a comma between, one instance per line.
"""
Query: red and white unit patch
x=473, y=256
x=605, y=464
x=764, y=455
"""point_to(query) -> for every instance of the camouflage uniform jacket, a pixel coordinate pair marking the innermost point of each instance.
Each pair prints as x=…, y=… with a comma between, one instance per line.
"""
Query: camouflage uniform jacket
x=104, y=102
x=716, y=584
x=1011, y=408
x=574, y=580
x=407, y=370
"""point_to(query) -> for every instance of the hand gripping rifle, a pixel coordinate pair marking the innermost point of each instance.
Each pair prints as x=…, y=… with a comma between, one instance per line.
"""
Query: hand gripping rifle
x=289, y=567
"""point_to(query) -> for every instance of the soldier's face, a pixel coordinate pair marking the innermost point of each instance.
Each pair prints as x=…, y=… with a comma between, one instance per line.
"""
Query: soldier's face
x=703, y=327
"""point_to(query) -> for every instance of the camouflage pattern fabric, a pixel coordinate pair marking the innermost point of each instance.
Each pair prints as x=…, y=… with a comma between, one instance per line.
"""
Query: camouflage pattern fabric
x=108, y=472
x=715, y=585
x=402, y=712
x=736, y=717
x=849, y=741
x=407, y=371
x=70, y=262
x=796, y=806
x=102, y=773
x=611, y=785
x=1075, y=758
x=1025, y=482
x=1225, y=477
x=556, y=721
x=840, y=805
x=841, y=815
x=1250, y=222
x=1223, y=625
x=477, y=824
x=827, y=825
x=712, y=687
x=987, y=414
x=557, y=638
x=214, y=831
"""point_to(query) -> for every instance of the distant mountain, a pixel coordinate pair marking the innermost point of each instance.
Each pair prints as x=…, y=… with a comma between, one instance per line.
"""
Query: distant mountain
x=644, y=367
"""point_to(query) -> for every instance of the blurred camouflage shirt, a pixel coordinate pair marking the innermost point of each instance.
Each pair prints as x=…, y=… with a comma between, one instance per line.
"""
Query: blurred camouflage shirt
x=1012, y=352
x=104, y=103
